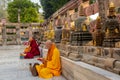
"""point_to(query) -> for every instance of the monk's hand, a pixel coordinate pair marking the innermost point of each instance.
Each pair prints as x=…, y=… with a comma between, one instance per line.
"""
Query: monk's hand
x=22, y=54
x=40, y=59
x=44, y=61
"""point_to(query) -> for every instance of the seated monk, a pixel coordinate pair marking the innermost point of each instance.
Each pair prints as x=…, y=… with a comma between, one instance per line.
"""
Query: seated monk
x=50, y=66
x=31, y=50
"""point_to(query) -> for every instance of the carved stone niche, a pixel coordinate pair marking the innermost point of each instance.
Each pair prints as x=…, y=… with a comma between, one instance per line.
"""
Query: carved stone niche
x=81, y=50
x=106, y=52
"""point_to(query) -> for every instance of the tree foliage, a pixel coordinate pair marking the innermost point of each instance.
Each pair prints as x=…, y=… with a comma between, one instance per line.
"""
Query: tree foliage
x=50, y=6
x=92, y=1
x=28, y=11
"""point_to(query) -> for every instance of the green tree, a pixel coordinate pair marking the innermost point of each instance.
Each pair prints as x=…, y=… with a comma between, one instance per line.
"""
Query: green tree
x=29, y=11
x=51, y=6
x=92, y=1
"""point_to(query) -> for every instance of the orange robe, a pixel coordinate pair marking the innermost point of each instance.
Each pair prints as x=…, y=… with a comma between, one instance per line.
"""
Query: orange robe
x=27, y=49
x=53, y=66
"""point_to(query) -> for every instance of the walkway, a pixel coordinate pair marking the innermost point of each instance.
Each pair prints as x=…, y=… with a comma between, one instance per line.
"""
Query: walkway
x=13, y=68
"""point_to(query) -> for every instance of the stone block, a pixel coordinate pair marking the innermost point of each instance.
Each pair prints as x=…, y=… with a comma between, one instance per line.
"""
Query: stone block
x=109, y=63
x=116, y=53
x=117, y=64
x=73, y=70
x=106, y=52
x=117, y=67
x=75, y=56
x=91, y=50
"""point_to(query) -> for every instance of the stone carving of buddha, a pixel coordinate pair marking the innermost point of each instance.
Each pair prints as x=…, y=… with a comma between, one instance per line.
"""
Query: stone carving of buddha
x=98, y=34
x=112, y=26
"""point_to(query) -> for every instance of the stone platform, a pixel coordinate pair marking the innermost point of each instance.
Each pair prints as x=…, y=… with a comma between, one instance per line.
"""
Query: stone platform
x=77, y=70
x=13, y=68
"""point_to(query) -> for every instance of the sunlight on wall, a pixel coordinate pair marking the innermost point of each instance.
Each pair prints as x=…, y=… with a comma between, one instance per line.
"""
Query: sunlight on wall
x=94, y=17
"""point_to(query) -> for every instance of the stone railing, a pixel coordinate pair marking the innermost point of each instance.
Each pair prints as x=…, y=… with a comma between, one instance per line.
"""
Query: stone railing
x=106, y=58
x=13, y=33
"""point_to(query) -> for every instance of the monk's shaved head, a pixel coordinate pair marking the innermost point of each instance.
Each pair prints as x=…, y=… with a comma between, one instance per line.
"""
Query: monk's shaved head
x=48, y=43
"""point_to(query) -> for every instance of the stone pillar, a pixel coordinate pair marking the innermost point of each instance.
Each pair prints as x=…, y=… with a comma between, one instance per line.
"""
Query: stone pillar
x=30, y=31
x=18, y=29
x=4, y=37
x=18, y=34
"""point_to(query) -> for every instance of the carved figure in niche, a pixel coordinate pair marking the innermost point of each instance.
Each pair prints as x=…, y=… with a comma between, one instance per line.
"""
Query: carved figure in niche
x=81, y=10
x=66, y=32
x=112, y=26
x=98, y=34
x=51, y=32
x=72, y=25
x=80, y=24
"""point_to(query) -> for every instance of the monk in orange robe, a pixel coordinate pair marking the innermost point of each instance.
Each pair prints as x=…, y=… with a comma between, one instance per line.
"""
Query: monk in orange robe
x=50, y=66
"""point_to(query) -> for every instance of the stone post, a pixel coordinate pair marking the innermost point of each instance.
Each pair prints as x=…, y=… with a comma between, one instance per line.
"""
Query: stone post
x=18, y=29
x=4, y=37
x=18, y=34
x=30, y=31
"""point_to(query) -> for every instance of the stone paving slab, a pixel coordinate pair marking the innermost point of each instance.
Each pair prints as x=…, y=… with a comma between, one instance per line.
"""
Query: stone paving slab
x=13, y=68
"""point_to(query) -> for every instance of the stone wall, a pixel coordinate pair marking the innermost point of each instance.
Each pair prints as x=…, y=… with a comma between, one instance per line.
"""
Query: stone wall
x=106, y=58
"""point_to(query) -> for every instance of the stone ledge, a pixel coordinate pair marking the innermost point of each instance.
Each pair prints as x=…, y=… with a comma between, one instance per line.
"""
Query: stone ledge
x=77, y=70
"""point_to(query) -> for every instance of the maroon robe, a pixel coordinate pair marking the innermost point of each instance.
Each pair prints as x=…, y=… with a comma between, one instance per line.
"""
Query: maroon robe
x=34, y=50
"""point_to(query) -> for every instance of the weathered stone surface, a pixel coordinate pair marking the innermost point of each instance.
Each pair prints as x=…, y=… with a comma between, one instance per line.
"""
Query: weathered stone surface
x=117, y=67
x=116, y=53
x=109, y=63
x=82, y=71
x=75, y=56
x=106, y=52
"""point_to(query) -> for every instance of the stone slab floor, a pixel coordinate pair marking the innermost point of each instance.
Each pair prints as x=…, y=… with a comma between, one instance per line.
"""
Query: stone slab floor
x=13, y=68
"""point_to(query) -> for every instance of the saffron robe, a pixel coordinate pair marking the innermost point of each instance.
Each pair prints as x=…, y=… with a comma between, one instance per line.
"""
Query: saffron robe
x=52, y=66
